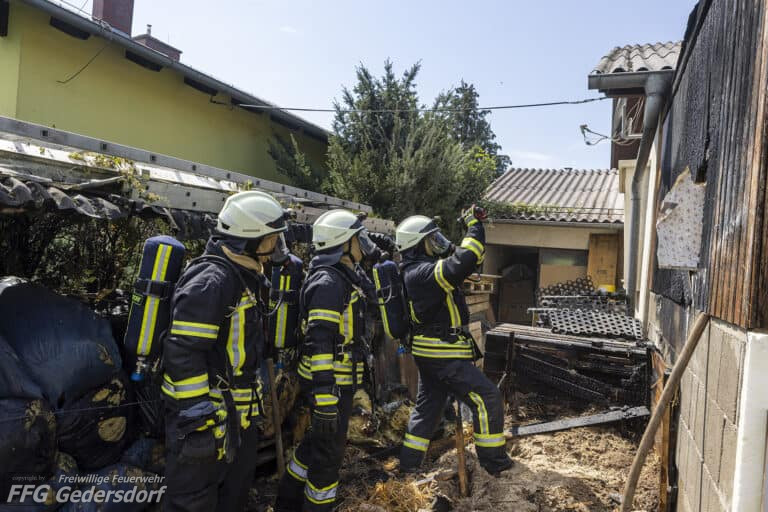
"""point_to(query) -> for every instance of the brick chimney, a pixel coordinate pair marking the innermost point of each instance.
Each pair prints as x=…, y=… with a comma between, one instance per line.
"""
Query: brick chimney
x=150, y=41
x=118, y=13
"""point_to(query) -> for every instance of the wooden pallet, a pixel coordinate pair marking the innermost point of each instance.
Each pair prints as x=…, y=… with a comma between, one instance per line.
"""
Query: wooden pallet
x=480, y=284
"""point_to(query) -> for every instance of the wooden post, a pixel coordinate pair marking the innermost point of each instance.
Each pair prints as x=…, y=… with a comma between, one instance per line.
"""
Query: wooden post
x=277, y=425
x=461, y=459
x=665, y=455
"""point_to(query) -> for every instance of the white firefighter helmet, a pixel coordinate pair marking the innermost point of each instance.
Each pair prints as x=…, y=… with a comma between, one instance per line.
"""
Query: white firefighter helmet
x=415, y=228
x=251, y=214
x=335, y=227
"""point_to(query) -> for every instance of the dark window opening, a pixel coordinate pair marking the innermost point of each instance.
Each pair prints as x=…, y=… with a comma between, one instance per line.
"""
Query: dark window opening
x=210, y=91
x=141, y=61
x=69, y=29
x=4, y=16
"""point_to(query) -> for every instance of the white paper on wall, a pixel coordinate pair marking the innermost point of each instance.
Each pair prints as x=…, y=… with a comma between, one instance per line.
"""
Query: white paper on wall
x=679, y=224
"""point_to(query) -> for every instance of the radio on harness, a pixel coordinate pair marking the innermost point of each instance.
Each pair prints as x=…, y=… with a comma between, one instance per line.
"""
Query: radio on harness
x=390, y=296
x=284, y=297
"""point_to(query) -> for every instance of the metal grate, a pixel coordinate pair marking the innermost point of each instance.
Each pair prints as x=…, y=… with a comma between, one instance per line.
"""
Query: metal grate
x=580, y=286
x=595, y=323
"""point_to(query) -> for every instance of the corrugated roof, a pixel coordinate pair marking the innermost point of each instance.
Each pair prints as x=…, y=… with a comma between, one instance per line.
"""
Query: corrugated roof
x=639, y=57
x=558, y=195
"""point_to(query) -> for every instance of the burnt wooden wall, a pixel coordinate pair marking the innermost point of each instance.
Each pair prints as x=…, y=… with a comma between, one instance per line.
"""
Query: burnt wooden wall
x=716, y=126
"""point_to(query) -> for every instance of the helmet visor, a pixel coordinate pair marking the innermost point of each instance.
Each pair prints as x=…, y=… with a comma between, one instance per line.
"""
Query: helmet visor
x=281, y=253
x=367, y=247
x=438, y=244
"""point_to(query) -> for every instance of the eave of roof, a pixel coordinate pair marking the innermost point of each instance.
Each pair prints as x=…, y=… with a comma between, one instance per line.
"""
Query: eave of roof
x=639, y=57
x=102, y=29
x=625, y=70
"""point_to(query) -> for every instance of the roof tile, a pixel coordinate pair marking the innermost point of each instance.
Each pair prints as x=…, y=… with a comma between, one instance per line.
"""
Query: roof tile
x=639, y=57
x=559, y=195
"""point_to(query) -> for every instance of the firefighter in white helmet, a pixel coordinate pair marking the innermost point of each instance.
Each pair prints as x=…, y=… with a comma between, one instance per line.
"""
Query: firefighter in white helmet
x=331, y=365
x=211, y=357
x=443, y=349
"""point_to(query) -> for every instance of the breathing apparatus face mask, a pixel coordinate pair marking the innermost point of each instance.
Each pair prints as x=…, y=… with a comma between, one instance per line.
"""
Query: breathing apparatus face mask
x=272, y=248
x=438, y=244
x=369, y=249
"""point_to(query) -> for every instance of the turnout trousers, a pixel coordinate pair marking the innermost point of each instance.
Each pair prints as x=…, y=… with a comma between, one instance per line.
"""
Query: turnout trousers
x=311, y=479
x=439, y=378
x=209, y=486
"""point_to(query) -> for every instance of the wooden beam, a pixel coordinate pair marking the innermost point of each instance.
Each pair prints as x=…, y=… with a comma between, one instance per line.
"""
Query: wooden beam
x=583, y=421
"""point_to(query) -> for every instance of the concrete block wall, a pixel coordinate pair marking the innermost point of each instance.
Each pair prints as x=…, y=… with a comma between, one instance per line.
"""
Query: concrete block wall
x=709, y=420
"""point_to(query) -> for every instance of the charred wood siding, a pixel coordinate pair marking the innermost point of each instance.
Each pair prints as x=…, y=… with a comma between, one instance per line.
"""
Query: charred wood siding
x=716, y=127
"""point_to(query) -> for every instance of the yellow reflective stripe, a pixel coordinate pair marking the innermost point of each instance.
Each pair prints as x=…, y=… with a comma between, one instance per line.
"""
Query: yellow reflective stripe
x=482, y=413
x=490, y=440
x=327, y=315
x=382, y=309
x=322, y=495
x=326, y=399
x=299, y=463
x=196, y=329
x=322, y=362
x=282, y=314
x=413, y=312
x=190, y=387
x=347, y=325
x=459, y=345
x=445, y=285
x=207, y=327
x=458, y=350
x=160, y=277
x=453, y=310
x=417, y=443
x=187, y=332
x=441, y=354
x=344, y=374
x=147, y=331
x=242, y=394
x=236, y=339
x=197, y=379
x=304, y=370
x=296, y=469
x=472, y=222
x=474, y=246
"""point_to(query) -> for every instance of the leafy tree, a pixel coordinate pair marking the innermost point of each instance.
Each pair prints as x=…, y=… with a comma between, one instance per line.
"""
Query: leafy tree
x=468, y=124
x=397, y=160
x=294, y=164
x=385, y=153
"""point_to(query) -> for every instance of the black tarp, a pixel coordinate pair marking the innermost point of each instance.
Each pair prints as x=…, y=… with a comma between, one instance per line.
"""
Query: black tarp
x=27, y=438
x=15, y=379
x=97, y=427
x=67, y=349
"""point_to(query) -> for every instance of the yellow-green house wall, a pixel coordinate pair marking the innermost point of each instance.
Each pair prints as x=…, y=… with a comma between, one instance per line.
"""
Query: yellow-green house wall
x=117, y=100
x=10, y=53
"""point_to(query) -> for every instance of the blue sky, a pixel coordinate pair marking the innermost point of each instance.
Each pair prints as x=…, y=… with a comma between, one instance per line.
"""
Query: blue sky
x=299, y=53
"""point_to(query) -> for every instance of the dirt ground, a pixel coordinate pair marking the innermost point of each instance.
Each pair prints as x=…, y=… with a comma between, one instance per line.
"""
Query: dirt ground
x=582, y=469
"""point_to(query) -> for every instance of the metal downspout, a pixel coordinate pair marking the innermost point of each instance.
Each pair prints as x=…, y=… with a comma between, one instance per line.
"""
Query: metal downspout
x=656, y=90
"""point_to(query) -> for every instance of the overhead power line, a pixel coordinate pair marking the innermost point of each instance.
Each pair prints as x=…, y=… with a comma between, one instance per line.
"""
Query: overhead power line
x=405, y=110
